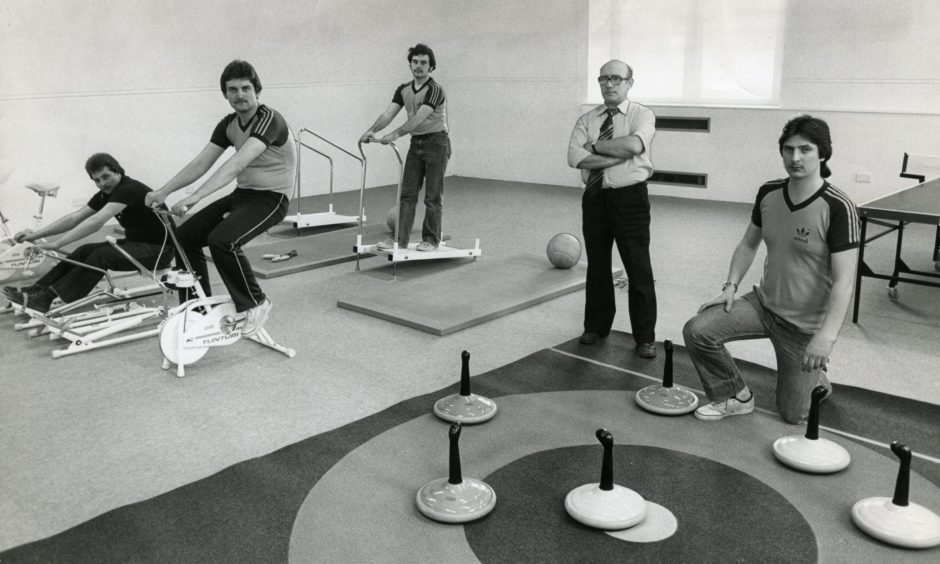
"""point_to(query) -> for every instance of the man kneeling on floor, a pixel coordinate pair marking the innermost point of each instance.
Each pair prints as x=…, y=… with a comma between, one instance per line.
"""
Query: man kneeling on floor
x=120, y=197
x=811, y=230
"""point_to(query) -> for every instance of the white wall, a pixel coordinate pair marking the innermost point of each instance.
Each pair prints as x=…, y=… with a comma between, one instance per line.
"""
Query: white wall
x=139, y=78
x=868, y=67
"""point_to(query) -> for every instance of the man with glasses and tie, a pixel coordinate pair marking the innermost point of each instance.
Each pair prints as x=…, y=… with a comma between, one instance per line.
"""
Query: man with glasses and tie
x=611, y=146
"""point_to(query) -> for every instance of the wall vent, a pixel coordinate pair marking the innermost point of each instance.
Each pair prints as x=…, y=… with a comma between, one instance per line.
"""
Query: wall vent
x=690, y=179
x=671, y=123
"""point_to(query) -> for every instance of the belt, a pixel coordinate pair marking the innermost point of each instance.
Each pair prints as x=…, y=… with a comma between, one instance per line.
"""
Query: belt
x=637, y=185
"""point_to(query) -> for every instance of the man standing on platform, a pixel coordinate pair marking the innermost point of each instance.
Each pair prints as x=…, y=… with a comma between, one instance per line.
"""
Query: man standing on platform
x=264, y=168
x=611, y=146
x=811, y=230
x=424, y=101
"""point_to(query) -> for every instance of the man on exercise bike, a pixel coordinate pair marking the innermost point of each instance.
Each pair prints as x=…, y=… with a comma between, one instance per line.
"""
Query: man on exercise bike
x=263, y=168
x=120, y=197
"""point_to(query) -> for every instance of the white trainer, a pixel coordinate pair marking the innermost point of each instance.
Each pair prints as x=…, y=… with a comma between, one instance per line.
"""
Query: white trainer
x=725, y=408
x=256, y=317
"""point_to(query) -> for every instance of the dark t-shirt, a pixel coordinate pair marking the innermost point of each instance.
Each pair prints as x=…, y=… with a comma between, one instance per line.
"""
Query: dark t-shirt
x=139, y=221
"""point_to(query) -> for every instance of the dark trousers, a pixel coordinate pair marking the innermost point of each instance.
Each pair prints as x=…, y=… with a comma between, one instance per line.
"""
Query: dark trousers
x=249, y=214
x=425, y=164
x=72, y=282
x=620, y=215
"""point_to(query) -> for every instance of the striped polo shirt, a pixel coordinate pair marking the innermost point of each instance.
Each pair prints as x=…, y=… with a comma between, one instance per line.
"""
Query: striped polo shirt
x=430, y=94
x=800, y=238
x=275, y=168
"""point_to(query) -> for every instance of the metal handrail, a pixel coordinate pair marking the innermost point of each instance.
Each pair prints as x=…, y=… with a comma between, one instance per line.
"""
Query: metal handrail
x=401, y=173
x=362, y=165
x=297, y=177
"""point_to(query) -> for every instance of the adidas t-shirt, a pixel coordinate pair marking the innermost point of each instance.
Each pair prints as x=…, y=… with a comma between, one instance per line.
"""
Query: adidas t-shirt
x=275, y=168
x=430, y=94
x=800, y=238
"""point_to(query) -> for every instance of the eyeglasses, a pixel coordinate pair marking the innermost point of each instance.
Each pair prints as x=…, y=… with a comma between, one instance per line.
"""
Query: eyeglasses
x=613, y=79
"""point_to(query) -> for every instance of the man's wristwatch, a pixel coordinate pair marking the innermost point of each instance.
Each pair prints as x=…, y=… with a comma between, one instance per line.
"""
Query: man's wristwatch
x=727, y=284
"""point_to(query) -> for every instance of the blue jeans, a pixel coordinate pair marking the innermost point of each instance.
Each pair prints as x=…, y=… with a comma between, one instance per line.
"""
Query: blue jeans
x=706, y=335
x=426, y=163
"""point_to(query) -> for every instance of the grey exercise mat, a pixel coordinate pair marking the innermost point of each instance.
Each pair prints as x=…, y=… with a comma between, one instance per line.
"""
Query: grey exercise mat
x=313, y=251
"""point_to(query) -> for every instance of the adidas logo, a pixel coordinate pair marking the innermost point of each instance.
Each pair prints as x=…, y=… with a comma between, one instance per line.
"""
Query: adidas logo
x=802, y=235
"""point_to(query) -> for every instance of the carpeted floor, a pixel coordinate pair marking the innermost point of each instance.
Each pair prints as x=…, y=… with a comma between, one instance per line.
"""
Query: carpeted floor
x=87, y=435
x=347, y=495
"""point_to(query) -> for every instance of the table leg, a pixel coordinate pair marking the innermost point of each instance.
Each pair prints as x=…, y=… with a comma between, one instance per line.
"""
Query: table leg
x=899, y=265
x=858, y=269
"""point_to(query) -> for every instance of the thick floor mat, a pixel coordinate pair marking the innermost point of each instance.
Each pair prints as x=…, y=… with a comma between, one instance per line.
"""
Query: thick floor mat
x=313, y=251
x=456, y=299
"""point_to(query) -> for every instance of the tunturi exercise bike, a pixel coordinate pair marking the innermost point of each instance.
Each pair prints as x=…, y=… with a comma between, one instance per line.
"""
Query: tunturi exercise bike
x=197, y=324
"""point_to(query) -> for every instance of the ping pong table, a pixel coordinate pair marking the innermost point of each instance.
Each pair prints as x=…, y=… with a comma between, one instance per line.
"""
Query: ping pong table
x=916, y=204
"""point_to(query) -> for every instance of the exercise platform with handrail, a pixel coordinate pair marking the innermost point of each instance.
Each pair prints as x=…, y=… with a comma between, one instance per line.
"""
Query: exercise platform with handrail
x=329, y=217
x=397, y=254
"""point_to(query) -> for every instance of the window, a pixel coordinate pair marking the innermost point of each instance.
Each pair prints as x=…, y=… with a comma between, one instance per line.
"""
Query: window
x=697, y=52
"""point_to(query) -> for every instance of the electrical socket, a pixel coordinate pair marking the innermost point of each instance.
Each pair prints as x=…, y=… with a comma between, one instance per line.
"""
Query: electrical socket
x=862, y=177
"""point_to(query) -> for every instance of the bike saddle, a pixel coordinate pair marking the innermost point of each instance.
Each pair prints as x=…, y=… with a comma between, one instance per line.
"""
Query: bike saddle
x=44, y=189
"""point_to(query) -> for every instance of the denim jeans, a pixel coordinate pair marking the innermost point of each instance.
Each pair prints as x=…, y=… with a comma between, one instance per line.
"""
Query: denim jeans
x=706, y=335
x=425, y=164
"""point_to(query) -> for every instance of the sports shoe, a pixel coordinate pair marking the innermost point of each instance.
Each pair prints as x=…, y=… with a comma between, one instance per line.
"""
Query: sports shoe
x=386, y=245
x=15, y=296
x=426, y=246
x=256, y=317
x=39, y=300
x=725, y=408
x=9, y=291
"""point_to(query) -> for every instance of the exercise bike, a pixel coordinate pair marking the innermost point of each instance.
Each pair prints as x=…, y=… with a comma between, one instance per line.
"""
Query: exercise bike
x=103, y=318
x=15, y=265
x=200, y=323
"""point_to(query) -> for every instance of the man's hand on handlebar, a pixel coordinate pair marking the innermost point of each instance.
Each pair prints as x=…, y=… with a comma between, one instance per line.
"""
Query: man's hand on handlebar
x=369, y=137
x=154, y=199
x=38, y=249
x=182, y=207
x=22, y=235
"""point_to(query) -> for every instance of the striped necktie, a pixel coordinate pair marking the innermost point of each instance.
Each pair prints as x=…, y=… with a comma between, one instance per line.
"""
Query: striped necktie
x=595, y=180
